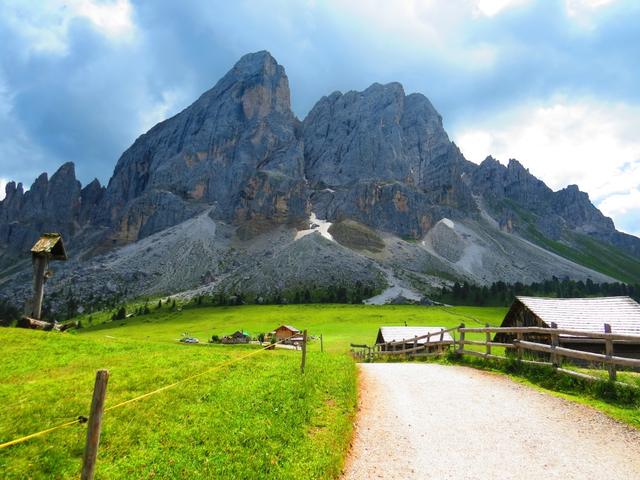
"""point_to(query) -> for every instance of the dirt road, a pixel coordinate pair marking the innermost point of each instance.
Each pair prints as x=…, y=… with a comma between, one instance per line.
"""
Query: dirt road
x=418, y=421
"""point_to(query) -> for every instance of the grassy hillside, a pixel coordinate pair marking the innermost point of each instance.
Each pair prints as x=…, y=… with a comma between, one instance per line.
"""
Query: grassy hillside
x=582, y=249
x=591, y=253
x=258, y=418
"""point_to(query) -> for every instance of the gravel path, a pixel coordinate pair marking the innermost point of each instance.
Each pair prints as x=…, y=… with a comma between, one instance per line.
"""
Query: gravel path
x=419, y=421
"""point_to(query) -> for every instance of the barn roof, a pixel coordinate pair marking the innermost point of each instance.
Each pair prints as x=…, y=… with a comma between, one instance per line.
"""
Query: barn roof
x=50, y=244
x=397, y=334
x=587, y=314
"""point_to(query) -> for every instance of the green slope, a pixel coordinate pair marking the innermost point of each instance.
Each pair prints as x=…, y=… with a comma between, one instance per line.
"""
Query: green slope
x=581, y=249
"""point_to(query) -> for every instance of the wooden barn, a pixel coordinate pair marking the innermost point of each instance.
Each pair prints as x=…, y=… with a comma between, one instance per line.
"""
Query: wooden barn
x=398, y=334
x=287, y=333
x=239, y=336
x=585, y=314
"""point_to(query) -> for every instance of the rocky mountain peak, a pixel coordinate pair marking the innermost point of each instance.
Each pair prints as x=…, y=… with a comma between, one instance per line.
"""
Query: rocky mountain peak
x=234, y=149
x=256, y=63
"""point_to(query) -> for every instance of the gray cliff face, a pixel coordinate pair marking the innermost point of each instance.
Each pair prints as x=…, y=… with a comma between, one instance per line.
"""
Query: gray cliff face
x=383, y=157
x=234, y=148
x=53, y=204
x=511, y=190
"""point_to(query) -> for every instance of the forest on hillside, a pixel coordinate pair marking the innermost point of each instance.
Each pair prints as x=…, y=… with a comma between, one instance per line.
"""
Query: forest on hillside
x=503, y=294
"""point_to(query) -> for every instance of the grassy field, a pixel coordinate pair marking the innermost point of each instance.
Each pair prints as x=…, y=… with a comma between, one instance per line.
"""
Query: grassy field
x=339, y=324
x=256, y=418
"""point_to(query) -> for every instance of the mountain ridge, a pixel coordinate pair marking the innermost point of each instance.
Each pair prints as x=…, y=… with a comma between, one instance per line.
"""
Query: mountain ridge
x=378, y=158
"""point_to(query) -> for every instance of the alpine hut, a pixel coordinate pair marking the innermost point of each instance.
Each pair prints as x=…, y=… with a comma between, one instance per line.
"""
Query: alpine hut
x=583, y=314
x=387, y=335
x=239, y=336
x=286, y=334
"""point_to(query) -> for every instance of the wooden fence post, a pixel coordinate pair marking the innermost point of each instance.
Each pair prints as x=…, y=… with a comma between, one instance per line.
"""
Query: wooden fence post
x=519, y=338
x=461, y=341
x=487, y=338
x=554, y=343
x=321, y=344
x=95, y=425
x=304, y=350
x=611, y=367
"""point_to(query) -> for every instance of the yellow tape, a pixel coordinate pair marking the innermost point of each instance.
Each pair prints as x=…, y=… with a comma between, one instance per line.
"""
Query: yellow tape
x=37, y=434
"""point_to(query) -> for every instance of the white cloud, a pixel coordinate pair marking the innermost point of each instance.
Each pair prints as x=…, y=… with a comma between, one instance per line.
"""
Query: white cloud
x=563, y=142
x=3, y=184
x=491, y=8
x=45, y=25
x=161, y=110
x=577, y=8
x=621, y=203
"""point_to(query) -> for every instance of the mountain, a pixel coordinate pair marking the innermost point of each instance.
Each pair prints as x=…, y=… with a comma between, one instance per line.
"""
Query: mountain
x=236, y=196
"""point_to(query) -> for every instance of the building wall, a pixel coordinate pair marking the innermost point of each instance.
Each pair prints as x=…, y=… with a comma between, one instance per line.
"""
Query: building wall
x=283, y=333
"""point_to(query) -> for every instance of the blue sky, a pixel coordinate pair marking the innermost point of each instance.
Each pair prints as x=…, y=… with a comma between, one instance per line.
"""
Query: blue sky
x=553, y=83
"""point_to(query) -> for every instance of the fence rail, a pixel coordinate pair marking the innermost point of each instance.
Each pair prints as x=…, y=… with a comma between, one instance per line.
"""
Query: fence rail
x=519, y=344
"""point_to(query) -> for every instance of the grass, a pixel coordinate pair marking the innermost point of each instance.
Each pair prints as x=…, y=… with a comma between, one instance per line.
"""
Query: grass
x=257, y=418
x=339, y=324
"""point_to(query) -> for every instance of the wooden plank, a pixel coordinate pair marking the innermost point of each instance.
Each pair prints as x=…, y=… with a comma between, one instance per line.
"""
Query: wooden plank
x=39, y=271
x=488, y=340
x=94, y=426
x=583, y=376
x=461, y=330
x=546, y=331
x=498, y=357
x=611, y=367
x=555, y=359
x=519, y=335
x=304, y=351
x=594, y=357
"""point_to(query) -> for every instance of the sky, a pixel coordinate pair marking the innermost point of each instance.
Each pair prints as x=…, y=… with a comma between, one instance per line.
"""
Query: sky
x=552, y=83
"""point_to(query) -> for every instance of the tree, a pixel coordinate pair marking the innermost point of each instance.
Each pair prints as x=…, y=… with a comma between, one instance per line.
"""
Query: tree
x=120, y=314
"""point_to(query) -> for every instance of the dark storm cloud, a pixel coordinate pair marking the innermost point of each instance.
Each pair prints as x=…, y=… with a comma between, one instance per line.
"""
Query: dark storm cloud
x=90, y=102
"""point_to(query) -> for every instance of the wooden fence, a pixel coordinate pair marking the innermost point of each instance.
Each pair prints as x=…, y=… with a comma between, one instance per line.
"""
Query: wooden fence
x=539, y=351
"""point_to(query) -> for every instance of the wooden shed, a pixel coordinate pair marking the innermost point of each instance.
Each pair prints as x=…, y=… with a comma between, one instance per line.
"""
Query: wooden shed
x=398, y=334
x=584, y=314
x=239, y=336
x=286, y=333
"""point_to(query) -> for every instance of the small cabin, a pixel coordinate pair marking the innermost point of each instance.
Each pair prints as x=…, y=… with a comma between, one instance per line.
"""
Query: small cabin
x=286, y=334
x=583, y=314
x=239, y=336
x=399, y=334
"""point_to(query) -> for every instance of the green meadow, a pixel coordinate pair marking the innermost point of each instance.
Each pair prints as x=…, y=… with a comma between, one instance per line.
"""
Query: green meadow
x=247, y=413
x=256, y=418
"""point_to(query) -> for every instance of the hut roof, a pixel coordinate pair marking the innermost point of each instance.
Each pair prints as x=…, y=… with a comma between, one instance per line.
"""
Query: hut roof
x=587, y=314
x=288, y=327
x=397, y=334
x=240, y=333
x=50, y=244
